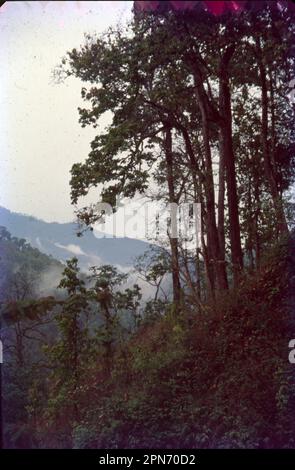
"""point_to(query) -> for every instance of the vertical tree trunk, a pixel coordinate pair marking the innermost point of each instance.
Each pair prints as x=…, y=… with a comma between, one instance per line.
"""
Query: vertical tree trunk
x=208, y=113
x=268, y=168
x=212, y=234
x=272, y=79
x=256, y=225
x=198, y=227
x=208, y=266
x=229, y=162
x=198, y=176
x=198, y=275
x=172, y=199
x=221, y=194
x=249, y=225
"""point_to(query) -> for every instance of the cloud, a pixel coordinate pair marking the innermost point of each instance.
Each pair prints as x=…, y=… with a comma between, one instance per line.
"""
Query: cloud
x=39, y=244
x=49, y=280
x=75, y=249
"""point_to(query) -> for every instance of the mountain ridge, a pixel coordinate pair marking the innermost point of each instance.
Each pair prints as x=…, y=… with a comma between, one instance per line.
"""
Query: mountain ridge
x=60, y=240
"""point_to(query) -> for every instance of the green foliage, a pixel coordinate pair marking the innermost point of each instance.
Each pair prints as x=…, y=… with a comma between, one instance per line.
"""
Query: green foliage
x=210, y=383
x=24, y=323
x=219, y=379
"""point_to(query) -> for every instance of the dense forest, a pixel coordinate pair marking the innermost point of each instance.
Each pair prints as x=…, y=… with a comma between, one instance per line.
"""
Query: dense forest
x=201, y=112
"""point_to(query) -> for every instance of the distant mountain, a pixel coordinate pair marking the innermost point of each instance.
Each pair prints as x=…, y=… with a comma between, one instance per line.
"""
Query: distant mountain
x=61, y=241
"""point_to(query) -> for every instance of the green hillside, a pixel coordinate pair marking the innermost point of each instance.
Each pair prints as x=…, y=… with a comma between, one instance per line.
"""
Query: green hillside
x=220, y=379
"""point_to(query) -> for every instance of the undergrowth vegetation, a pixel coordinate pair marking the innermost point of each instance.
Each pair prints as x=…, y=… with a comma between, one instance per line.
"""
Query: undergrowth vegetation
x=216, y=379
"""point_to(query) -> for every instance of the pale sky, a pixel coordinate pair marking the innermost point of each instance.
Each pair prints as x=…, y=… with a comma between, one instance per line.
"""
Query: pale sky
x=40, y=134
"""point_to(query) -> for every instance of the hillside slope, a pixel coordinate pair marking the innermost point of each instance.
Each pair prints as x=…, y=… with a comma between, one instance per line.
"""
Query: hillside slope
x=23, y=268
x=220, y=379
x=61, y=241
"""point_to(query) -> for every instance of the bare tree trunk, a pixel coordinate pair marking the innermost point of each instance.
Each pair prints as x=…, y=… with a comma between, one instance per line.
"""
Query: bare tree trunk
x=172, y=199
x=212, y=233
x=19, y=344
x=229, y=162
x=208, y=113
x=206, y=251
x=208, y=266
x=221, y=194
x=272, y=79
x=250, y=232
x=256, y=227
x=268, y=168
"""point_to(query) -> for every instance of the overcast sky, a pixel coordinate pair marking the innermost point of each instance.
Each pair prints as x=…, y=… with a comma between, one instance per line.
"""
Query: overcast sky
x=40, y=134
